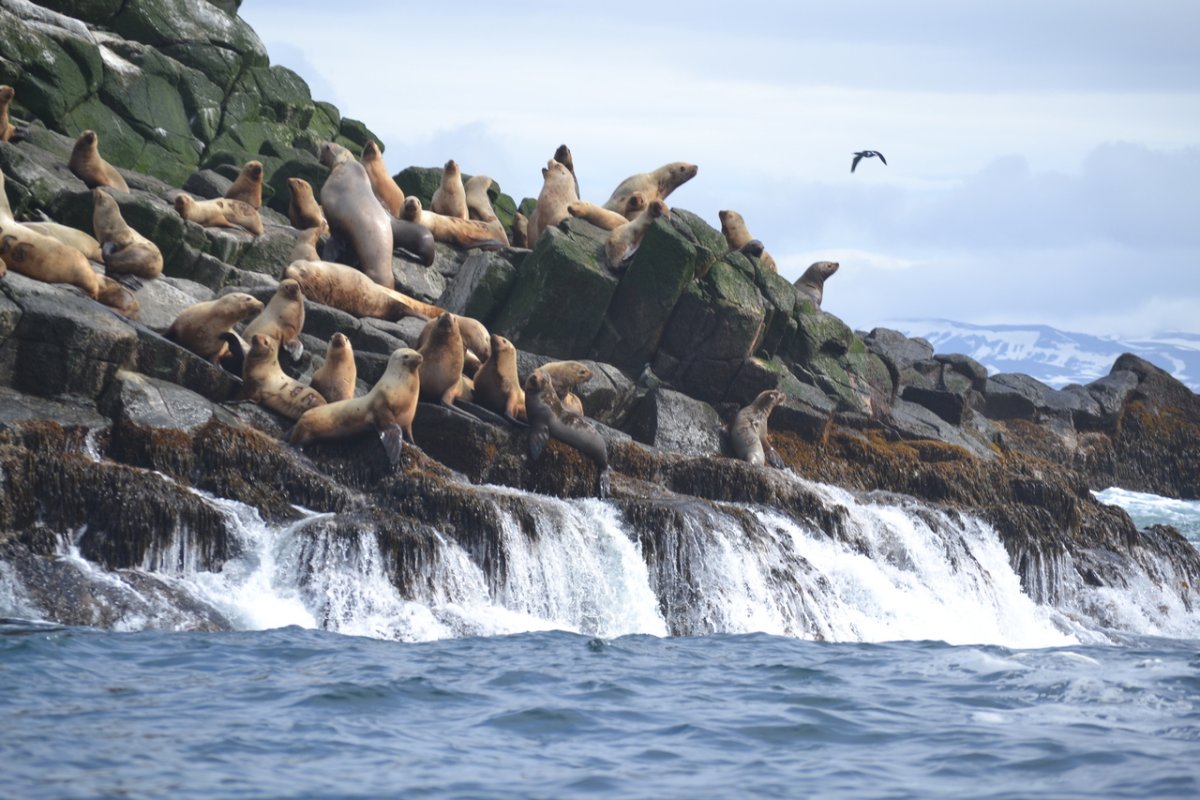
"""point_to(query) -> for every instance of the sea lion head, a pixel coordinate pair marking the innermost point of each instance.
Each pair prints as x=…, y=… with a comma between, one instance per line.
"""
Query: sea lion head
x=820, y=271
x=500, y=344
x=253, y=170
x=86, y=139
x=262, y=347
x=299, y=271
x=537, y=382
x=753, y=248
x=768, y=399
x=404, y=359
x=371, y=151
x=300, y=187
x=451, y=167
x=563, y=156
x=6, y=94
x=729, y=219
x=290, y=289
x=446, y=323
x=339, y=341
x=182, y=203
x=242, y=302
x=332, y=154
x=682, y=171
x=556, y=169
x=411, y=210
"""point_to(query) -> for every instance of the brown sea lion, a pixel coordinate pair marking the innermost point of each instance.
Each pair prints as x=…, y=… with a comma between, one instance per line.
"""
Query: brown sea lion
x=748, y=433
x=566, y=375
x=623, y=242
x=39, y=256
x=247, y=187
x=450, y=198
x=282, y=319
x=479, y=205
x=497, y=386
x=126, y=252
x=199, y=326
x=812, y=283
x=477, y=343
x=347, y=289
x=558, y=192
x=655, y=185
x=305, y=248
x=388, y=409
x=355, y=215
x=7, y=129
x=442, y=365
x=118, y=298
x=520, y=231
x=737, y=236
x=83, y=242
x=264, y=381
x=304, y=211
x=335, y=378
x=220, y=212
x=597, y=215
x=464, y=233
x=386, y=190
x=549, y=420
x=87, y=164
x=563, y=156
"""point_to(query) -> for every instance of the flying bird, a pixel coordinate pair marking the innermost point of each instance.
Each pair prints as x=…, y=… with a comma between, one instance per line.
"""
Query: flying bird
x=861, y=154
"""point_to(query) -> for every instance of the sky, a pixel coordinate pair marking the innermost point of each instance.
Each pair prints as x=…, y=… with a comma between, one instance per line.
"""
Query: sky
x=1043, y=158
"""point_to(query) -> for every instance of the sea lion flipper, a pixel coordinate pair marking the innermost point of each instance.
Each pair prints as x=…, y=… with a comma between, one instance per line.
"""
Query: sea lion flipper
x=538, y=437
x=392, y=437
x=773, y=458
x=603, y=487
x=236, y=360
x=294, y=349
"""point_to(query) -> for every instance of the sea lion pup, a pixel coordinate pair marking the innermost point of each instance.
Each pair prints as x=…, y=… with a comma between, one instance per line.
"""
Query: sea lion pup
x=125, y=251
x=442, y=365
x=563, y=156
x=479, y=206
x=7, y=129
x=220, y=212
x=304, y=211
x=83, y=242
x=450, y=198
x=388, y=409
x=282, y=319
x=558, y=192
x=465, y=233
x=566, y=375
x=199, y=326
x=247, y=187
x=355, y=215
x=549, y=420
x=656, y=185
x=497, y=387
x=520, y=230
x=335, y=378
x=748, y=432
x=623, y=242
x=386, y=190
x=264, y=381
x=737, y=236
x=347, y=289
x=87, y=164
x=812, y=283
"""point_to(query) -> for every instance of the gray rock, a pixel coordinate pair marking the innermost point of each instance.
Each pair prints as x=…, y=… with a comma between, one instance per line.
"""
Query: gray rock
x=1110, y=393
x=895, y=347
x=672, y=421
x=417, y=281
x=154, y=403
x=207, y=183
x=162, y=300
x=1012, y=396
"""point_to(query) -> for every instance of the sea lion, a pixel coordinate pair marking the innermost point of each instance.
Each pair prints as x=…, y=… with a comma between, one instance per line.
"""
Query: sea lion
x=220, y=212
x=812, y=283
x=549, y=420
x=347, y=289
x=737, y=236
x=386, y=190
x=566, y=375
x=87, y=164
x=388, y=408
x=304, y=211
x=264, y=381
x=558, y=192
x=655, y=185
x=450, y=198
x=126, y=252
x=39, y=256
x=465, y=233
x=354, y=214
x=442, y=364
x=497, y=386
x=563, y=156
x=83, y=242
x=335, y=378
x=199, y=326
x=597, y=215
x=247, y=187
x=623, y=242
x=7, y=129
x=118, y=298
x=413, y=241
x=283, y=318
x=520, y=230
x=305, y=248
x=748, y=433
x=476, y=340
x=479, y=205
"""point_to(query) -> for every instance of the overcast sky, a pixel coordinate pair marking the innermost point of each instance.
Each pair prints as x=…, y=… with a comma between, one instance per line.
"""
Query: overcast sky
x=1043, y=157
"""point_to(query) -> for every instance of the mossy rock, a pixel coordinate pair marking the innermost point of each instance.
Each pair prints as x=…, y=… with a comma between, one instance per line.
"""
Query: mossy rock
x=355, y=135
x=303, y=166
x=419, y=182
x=819, y=333
x=221, y=66
x=49, y=80
x=285, y=95
x=95, y=12
x=481, y=287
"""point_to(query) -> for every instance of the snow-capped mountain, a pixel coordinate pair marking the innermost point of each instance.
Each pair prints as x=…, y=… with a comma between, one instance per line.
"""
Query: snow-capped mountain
x=1052, y=356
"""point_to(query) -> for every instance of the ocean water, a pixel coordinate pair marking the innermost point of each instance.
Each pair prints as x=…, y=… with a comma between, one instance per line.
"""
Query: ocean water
x=921, y=671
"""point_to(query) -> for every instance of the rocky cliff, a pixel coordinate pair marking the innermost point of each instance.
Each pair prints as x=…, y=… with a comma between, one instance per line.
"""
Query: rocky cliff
x=98, y=408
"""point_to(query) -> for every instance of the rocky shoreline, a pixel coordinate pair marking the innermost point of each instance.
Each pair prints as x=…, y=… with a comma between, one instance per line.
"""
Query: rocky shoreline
x=96, y=409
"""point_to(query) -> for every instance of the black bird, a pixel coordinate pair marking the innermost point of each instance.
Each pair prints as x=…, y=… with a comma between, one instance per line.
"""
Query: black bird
x=861, y=154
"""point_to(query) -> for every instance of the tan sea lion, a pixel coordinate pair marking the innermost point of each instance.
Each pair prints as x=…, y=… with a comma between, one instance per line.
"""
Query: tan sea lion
x=558, y=192
x=497, y=386
x=812, y=283
x=7, y=129
x=220, y=212
x=549, y=420
x=737, y=236
x=347, y=289
x=248, y=185
x=39, y=256
x=442, y=351
x=479, y=205
x=264, y=381
x=748, y=434
x=597, y=215
x=566, y=375
x=83, y=242
x=520, y=231
x=126, y=252
x=386, y=190
x=335, y=378
x=87, y=164
x=450, y=198
x=118, y=298
x=563, y=156
x=655, y=185
x=199, y=326
x=465, y=233
x=573, y=403
x=388, y=409
x=304, y=211
x=283, y=318
x=355, y=215
x=305, y=248
x=476, y=340
x=623, y=242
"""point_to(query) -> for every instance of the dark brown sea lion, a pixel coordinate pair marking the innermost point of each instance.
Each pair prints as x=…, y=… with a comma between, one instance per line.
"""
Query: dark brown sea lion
x=549, y=420
x=87, y=164
x=126, y=252
x=248, y=185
